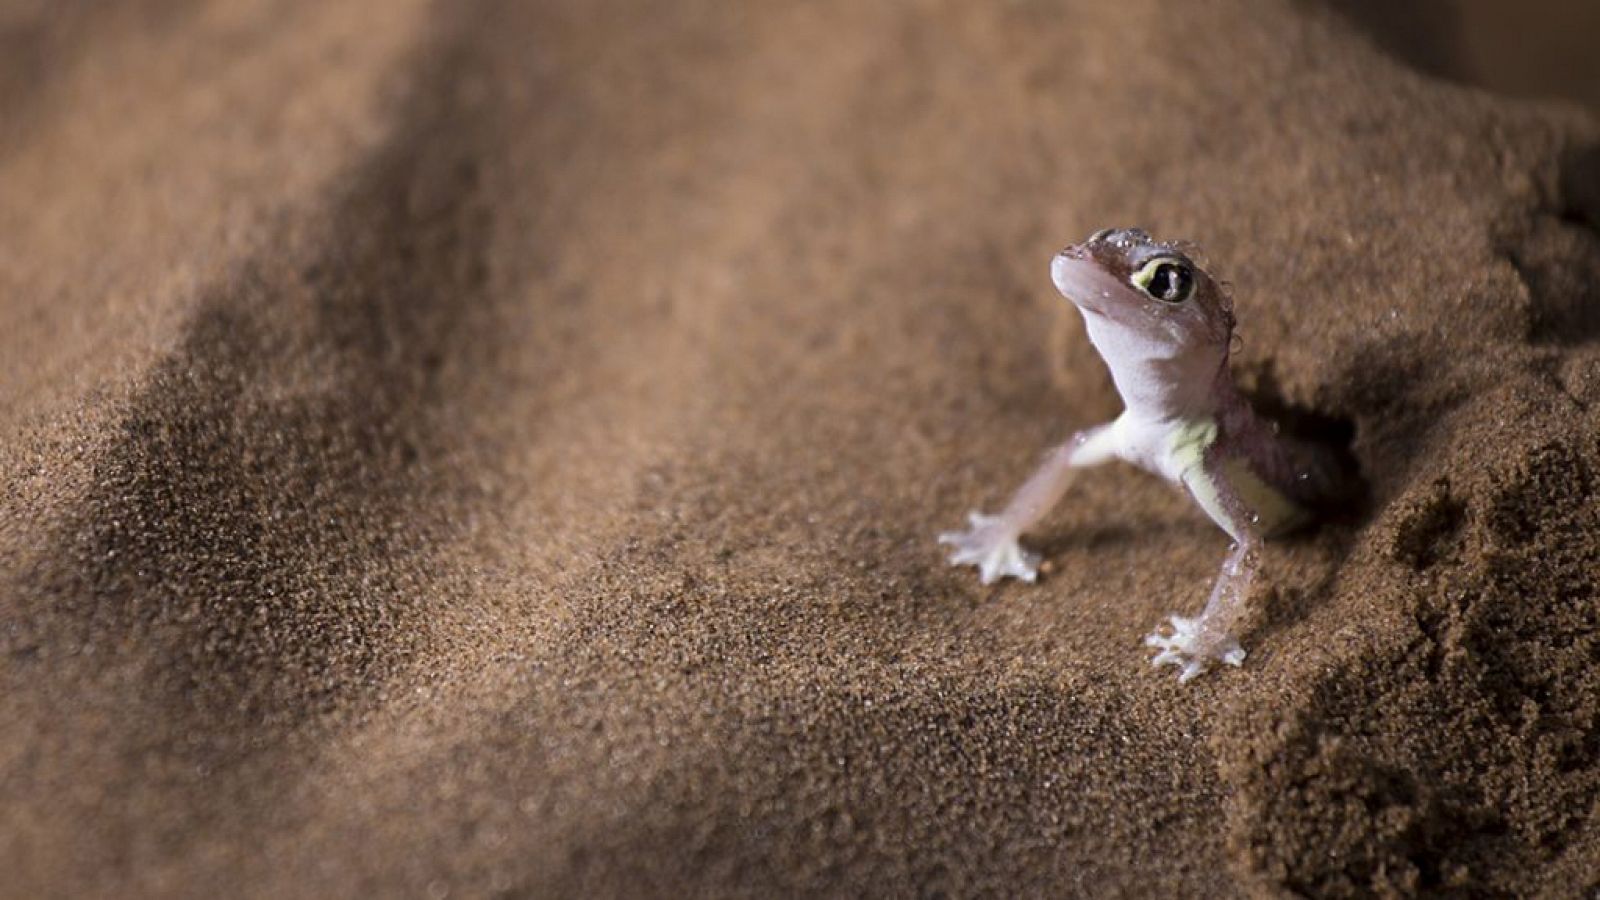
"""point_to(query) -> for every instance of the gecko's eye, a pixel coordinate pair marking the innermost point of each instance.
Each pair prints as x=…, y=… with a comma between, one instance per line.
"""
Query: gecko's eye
x=1166, y=279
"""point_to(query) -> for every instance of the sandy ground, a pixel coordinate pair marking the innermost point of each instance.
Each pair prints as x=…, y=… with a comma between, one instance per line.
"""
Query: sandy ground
x=495, y=448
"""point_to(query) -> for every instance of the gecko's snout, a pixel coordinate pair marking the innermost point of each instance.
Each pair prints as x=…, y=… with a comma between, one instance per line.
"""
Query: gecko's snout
x=1074, y=272
x=1067, y=258
x=1061, y=262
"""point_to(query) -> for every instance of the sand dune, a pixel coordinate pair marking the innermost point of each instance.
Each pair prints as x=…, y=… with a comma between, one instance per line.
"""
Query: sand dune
x=496, y=448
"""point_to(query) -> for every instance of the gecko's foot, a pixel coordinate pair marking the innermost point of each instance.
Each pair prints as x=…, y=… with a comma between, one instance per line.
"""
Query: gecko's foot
x=1189, y=650
x=993, y=548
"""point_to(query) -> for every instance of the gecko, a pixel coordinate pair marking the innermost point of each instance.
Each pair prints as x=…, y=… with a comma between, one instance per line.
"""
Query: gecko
x=1164, y=328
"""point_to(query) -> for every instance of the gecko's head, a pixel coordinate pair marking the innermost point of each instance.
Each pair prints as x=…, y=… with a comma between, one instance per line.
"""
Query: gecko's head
x=1144, y=298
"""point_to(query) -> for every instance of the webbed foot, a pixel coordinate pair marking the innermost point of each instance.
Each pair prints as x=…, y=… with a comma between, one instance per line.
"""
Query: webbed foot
x=1192, y=650
x=991, y=546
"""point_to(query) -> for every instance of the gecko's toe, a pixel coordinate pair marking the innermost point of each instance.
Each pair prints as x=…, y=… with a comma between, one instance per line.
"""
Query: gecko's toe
x=1187, y=648
x=993, y=549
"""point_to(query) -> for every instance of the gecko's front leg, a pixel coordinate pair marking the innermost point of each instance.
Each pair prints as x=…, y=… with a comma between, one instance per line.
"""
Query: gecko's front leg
x=991, y=544
x=1193, y=645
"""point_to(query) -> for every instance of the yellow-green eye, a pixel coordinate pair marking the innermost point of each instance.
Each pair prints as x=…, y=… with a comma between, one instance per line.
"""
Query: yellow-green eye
x=1166, y=279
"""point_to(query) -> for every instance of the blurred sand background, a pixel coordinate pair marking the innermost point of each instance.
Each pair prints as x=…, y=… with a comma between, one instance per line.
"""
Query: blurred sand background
x=495, y=449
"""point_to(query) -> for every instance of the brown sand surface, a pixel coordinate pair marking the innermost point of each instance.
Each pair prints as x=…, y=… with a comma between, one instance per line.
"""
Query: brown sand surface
x=495, y=448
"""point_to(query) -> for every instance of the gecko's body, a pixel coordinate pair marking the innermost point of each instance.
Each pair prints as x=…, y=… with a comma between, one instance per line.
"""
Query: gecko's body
x=1164, y=327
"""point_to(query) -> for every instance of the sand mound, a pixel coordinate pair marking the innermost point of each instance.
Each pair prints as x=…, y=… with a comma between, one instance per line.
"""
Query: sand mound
x=497, y=448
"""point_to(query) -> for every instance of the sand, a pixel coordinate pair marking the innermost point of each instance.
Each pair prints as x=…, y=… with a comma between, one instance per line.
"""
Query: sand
x=496, y=448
